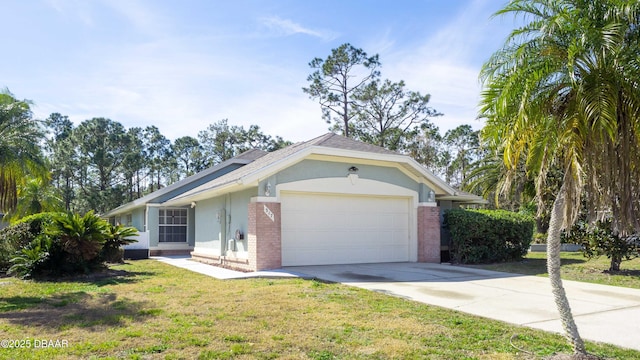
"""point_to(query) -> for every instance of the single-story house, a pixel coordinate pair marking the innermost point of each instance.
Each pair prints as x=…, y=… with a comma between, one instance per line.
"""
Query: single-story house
x=329, y=200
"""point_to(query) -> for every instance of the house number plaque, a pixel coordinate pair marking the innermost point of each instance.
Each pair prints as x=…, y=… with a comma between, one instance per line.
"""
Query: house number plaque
x=269, y=213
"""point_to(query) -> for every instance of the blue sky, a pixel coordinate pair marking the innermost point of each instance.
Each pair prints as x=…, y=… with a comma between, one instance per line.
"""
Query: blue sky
x=183, y=64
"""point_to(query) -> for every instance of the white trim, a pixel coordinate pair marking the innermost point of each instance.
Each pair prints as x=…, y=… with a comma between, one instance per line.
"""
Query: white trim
x=428, y=204
x=266, y=199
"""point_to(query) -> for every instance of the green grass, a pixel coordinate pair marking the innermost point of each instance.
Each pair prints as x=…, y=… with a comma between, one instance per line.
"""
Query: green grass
x=575, y=267
x=151, y=310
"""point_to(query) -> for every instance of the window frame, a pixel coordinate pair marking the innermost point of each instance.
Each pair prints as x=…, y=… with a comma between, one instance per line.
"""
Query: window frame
x=167, y=228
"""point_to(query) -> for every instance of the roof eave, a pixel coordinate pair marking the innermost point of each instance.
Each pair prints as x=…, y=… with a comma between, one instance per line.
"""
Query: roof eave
x=261, y=173
x=464, y=198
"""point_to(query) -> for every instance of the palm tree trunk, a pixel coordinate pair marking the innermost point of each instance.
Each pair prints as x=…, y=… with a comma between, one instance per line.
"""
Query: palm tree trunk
x=553, y=268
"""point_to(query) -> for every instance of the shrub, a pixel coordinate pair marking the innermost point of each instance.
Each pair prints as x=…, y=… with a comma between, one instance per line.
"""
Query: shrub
x=38, y=222
x=12, y=238
x=481, y=236
x=56, y=244
x=16, y=237
x=599, y=239
x=117, y=236
x=31, y=259
x=539, y=238
x=77, y=242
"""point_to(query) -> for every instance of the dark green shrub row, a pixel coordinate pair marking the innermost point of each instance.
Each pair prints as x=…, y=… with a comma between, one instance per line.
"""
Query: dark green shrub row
x=53, y=244
x=484, y=236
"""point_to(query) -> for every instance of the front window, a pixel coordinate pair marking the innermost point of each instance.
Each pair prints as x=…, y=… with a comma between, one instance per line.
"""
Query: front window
x=173, y=225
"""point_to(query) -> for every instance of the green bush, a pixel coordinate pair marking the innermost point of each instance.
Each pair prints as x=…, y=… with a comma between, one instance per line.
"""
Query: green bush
x=12, y=238
x=117, y=236
x=484, y=236
x=16, y=237
x=61, y=244
x=599, y=239
x=31, y=259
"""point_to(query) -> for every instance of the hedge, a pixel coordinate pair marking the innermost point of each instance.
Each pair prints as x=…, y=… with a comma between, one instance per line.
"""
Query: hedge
x=486, y=236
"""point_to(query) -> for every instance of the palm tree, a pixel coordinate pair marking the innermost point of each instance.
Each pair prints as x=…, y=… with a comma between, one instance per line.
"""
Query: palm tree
x=564, y=91
x=36, y=195
x=491, y=178
x=20, y=154
x=81, y=236
x=116, y=237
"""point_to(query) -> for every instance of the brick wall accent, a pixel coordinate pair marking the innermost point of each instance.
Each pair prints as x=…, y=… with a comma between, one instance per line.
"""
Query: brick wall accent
x=264, y=236
x=429, y=234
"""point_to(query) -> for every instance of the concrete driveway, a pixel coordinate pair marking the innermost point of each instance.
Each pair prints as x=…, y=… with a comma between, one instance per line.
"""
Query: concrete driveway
x=603, y=313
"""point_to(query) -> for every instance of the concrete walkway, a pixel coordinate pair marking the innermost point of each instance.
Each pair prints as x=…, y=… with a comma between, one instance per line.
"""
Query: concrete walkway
x=185, y=262
x=603, y=313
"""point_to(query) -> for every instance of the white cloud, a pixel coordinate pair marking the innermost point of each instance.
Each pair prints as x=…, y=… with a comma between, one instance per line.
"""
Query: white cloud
x=287, y=27
x=181, y=82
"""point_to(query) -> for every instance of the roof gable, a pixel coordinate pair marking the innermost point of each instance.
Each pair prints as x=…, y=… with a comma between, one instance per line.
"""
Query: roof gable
x=328, y=144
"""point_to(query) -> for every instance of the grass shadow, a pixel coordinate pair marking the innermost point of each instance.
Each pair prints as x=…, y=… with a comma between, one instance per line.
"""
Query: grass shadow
x=73, y=309
x=631, y=273
x=78, y=307
x=15, y=303
x=527, y=266
x=100, y=278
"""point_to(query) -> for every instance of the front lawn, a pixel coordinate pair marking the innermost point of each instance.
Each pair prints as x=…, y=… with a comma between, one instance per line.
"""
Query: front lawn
x=575, y=267
x=150, y=310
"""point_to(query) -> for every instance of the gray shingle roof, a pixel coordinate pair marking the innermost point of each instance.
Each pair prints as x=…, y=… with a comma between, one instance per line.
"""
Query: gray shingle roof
x=340, y=142
x=330, y=140
x=245, y=158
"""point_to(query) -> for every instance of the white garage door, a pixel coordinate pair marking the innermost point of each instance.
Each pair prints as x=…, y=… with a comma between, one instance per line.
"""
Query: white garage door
x=339, y=229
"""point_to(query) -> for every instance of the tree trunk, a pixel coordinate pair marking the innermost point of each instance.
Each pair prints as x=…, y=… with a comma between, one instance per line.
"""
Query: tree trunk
x=345, y=114
x=553, y=268
x=615, y=263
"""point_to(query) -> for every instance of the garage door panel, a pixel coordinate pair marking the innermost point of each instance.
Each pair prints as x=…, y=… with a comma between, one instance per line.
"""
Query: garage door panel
x=340, y=229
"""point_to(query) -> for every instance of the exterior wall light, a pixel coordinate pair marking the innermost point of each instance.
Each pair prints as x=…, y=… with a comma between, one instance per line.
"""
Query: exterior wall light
x=267, y=189
x=353, y=175
x=432, y=196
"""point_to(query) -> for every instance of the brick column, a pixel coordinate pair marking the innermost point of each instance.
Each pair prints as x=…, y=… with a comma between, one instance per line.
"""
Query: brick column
x=428, y=234
x=264, y=236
